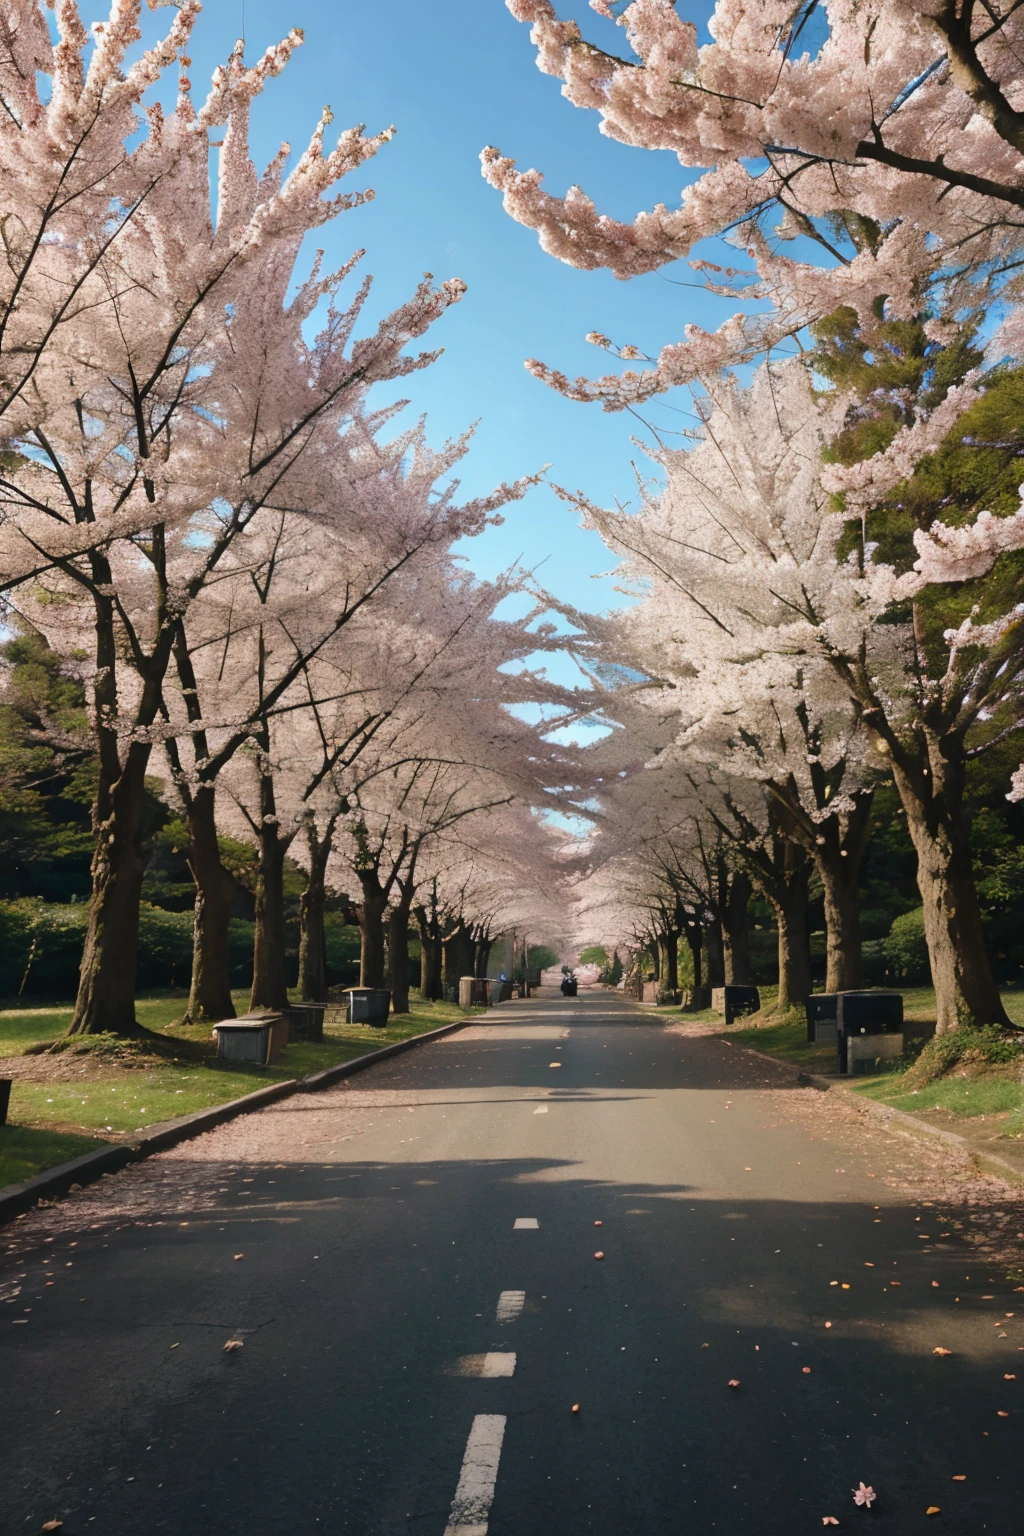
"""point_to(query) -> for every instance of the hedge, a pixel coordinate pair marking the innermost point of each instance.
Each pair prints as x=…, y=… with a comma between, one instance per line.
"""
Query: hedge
x=41, y=948
x=905, y=949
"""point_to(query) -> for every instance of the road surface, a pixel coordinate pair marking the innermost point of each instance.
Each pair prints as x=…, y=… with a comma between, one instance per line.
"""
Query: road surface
x=412, y=1266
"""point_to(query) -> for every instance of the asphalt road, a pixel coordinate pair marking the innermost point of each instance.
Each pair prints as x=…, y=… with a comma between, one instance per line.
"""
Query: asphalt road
x=381, y=1249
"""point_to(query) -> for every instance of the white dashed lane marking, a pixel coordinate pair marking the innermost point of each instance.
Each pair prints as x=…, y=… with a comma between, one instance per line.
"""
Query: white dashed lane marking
x=525, y=1223
x=510, y=1304
x=489, y=1366
x=542, y=1111
x=471, y=1505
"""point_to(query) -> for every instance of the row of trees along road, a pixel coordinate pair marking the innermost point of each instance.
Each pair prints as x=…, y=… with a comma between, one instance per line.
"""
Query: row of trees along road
x=203, y=517
x=830, y=582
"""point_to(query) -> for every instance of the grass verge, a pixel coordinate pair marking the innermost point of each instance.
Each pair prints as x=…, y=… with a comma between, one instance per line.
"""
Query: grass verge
x=971, y=1075
x=26, y=1151
x=111, y=1089
x=786, y=1040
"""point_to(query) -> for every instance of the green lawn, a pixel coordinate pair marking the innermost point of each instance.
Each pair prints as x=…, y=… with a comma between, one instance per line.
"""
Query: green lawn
x=24, y=1151
x=787, y=1042
x=964, y=1091
x=50, y=1122
x=991, y=1094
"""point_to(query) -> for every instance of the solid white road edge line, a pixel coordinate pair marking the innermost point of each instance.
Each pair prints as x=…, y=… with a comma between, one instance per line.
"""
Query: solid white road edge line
x=510, y=1304
x=475, y=1493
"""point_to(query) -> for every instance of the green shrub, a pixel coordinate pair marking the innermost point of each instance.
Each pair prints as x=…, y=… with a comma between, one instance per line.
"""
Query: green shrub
x=41, y=948
x=987, y=1046
x=612, y=974
x=341, y=941
x=241, y=933
x=165, y=947
x=906, y=952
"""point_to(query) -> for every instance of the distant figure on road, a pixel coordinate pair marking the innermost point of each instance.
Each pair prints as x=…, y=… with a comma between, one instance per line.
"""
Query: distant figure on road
x=569, y=986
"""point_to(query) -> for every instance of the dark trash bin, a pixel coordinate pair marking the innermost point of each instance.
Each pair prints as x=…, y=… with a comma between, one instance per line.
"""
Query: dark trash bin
x=738, y=1001
x=821, y=1009
x=569, y=986
x=306, y=1021
x=369, y=1005
x=866, y=1013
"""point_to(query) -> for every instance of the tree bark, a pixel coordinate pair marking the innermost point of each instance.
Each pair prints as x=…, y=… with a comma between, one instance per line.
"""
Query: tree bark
x=716, y=957
x=372, y=952
x=836, y=843
x=928, y=756
x=106, y=987
x=106, y=984
x=312, y=945
x=210, y=993
x=456, y=960
x=694, y=940
x=965, y=988
x=398, y=954
x=736, y=932
x=268, y=961
x=790, y=901
x=430, y=957
x=844, y=969
x=668, y=960
x=482, y=956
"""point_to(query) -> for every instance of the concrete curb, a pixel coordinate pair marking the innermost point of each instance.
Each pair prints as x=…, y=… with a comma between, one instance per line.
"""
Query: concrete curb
x=15, y=1199
x=899, y=1117
x=359, y=1063
x=910, y=1123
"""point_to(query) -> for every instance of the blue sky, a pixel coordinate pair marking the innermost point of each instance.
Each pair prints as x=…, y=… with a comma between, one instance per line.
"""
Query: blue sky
x=452, y=79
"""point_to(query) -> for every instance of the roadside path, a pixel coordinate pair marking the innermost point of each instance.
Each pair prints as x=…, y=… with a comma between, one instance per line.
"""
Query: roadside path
x=410, y=1266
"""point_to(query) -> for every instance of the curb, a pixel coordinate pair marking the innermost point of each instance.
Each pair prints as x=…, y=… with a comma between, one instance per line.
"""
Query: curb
x=16, y=1199
x=898, y=1117
x=359, y=1063
x=890, y=1115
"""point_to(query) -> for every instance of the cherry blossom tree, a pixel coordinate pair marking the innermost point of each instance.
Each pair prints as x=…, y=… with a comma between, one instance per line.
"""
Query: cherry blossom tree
x=455, y=752
x=886, y=140
x=279, y=634
x=745, y=499
x=926, y=699
x=200, y=411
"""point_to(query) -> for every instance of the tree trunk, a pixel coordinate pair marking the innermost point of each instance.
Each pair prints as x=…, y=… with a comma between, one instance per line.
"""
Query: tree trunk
x=965, y=988
x=398, y=956
x=929, y=770
x=791, y=902
x=457, y=960
x=106, y=987
x=482, y=956
x=736, y=932
x=312, y=946
x=668, y=960
x=716, y=958
x=840, y=883
x=694, y=940
x=106, y=984
x=372, y=954
x=210, y=992
x=268, y=959
x=430, y=956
